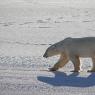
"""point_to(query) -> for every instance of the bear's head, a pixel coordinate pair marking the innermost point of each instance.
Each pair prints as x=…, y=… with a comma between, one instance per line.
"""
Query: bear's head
x=58, y=48
x=52, y=51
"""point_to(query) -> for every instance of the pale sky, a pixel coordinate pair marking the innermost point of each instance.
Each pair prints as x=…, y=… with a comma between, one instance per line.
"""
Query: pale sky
x=71, y=3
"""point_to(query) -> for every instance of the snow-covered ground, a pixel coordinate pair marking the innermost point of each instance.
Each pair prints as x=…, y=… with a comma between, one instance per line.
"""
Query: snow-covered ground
x=27, y=28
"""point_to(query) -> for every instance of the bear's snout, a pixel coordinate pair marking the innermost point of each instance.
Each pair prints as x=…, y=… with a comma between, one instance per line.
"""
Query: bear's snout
x=45, y=55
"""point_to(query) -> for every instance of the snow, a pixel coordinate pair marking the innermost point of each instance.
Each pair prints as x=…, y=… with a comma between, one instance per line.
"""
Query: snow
x=27, y=28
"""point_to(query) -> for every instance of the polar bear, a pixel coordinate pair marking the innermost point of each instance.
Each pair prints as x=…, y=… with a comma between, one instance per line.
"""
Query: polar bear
x=72, y=49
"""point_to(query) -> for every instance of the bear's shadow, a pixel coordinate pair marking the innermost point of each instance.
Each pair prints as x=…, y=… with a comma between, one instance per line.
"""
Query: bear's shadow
x=73, y=80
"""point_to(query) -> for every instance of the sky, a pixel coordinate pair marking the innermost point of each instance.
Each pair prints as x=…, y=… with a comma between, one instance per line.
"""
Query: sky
x=72, y=3
x=67, y=3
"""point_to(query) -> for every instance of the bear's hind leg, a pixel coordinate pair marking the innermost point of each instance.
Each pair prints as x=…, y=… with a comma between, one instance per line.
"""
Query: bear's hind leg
x=62, y=61
x=93, y=68
x=75, y=60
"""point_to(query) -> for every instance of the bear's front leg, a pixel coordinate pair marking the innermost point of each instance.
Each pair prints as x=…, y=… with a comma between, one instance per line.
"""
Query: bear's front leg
x=54, y=68
x=75, y=60
x=62, y=61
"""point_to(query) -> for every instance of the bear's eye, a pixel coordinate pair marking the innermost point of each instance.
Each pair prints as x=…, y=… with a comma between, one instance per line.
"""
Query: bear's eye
x=54, y=46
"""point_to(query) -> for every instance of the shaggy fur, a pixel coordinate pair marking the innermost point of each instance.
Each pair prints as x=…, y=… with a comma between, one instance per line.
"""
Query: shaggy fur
x=72, y=49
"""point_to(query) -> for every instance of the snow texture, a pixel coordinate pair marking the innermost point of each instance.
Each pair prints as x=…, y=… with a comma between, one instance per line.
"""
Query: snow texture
x=27, y=28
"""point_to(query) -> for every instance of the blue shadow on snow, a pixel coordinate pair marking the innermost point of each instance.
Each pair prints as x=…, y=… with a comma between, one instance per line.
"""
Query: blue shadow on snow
x=62, y=79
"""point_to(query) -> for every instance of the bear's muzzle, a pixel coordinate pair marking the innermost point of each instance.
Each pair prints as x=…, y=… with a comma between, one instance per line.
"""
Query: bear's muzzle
x=45, y=55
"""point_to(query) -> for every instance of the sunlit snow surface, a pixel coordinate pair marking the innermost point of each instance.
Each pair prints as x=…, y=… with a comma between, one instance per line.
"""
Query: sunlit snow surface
x=25, y=34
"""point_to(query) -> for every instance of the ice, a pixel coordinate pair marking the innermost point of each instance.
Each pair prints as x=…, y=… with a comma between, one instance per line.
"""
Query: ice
x=27, y=29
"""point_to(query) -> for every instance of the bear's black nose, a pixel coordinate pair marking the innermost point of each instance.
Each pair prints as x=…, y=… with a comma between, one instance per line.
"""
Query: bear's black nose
x=45, y=55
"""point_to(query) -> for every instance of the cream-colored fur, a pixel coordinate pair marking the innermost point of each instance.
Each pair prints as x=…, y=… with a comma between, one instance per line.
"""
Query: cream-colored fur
x=72, y=49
